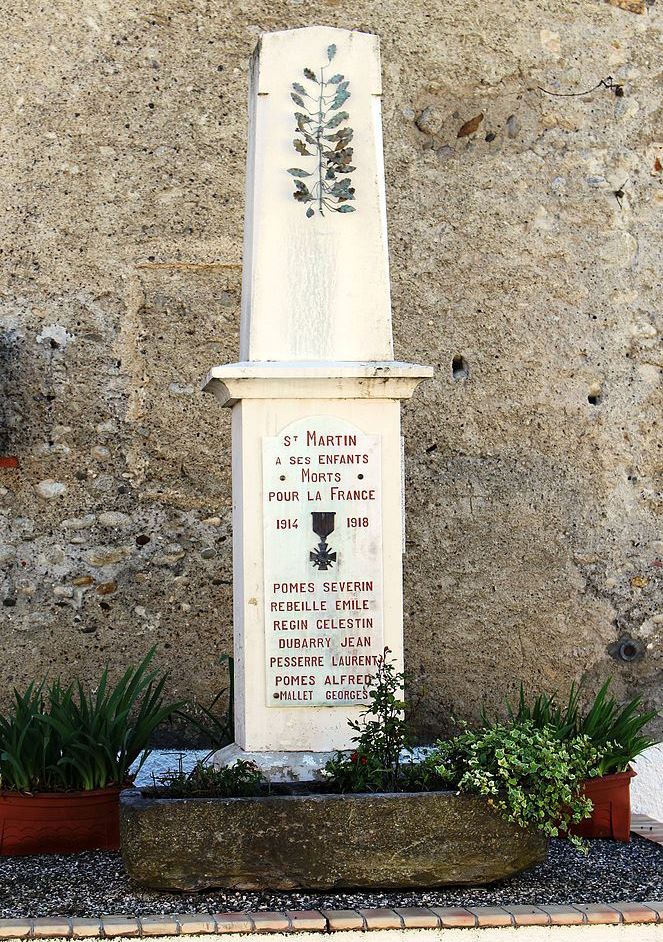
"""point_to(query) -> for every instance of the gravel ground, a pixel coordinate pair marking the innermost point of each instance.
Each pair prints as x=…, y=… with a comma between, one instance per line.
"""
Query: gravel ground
x=96, y=884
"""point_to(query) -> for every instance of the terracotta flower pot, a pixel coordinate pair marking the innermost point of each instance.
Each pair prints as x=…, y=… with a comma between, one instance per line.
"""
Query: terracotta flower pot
x=611, y=817
x=59, y=822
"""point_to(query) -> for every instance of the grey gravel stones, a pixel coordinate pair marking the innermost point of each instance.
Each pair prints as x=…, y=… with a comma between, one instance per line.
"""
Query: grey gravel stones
x=95, y=883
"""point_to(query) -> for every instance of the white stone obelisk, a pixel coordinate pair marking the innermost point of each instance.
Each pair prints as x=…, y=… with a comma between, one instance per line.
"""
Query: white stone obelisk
x=317, y=471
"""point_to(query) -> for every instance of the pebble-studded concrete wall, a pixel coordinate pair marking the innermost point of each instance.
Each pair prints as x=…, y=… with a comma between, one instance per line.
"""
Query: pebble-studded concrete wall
x=526, y=252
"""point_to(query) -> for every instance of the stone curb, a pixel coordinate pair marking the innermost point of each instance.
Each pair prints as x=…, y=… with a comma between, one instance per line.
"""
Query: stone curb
x=335, y=920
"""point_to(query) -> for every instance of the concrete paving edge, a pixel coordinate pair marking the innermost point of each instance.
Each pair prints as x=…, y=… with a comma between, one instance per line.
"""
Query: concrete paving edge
x=439, y=918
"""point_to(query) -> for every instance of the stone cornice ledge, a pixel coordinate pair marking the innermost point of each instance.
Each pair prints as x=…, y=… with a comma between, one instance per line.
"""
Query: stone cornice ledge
x=308, y=379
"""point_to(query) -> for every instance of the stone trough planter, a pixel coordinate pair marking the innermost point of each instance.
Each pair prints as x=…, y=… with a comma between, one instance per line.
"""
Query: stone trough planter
x=317, y=841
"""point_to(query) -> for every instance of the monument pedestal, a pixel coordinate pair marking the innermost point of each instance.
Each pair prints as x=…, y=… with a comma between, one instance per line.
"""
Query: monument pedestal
x=316, y=436
x=314, y=609
x=278, y=767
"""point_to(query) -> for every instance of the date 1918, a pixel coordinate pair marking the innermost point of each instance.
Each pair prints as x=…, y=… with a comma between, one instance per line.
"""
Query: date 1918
x=291, y=523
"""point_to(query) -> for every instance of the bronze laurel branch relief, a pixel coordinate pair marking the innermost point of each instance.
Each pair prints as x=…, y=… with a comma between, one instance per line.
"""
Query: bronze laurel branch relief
x=321, y=134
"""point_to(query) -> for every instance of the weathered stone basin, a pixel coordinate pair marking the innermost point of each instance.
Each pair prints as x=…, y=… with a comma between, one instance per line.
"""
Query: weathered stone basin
x=323, y=842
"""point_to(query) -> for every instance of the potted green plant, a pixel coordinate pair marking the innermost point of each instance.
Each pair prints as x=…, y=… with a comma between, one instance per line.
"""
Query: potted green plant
x=65, y=754
x=615, y=732
x=526, y=773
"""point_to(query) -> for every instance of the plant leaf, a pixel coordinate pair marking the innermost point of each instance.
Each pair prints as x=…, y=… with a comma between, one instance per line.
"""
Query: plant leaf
x=298, y=100
x=310, y=74
x=299, y=88
x=309, y=212
x=335, y=79
x=300, y=147
x=336, y=120
x=331, y=51
x=294, y=172
x=302, y=193
x=340, y=98
x=343, y=134
x=345, y=209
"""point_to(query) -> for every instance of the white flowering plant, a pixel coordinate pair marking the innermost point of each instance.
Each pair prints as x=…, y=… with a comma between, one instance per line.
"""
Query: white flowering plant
x=526, y=773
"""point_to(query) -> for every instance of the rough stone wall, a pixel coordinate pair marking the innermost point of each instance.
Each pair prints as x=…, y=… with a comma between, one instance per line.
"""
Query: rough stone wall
x=526, y=251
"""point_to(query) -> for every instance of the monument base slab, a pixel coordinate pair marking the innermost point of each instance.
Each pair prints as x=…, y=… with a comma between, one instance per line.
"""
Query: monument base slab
x=277, y=767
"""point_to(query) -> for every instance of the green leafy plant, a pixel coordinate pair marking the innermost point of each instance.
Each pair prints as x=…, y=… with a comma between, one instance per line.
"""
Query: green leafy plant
x=59, y=738
x=382, y=735
x=528, y=774
x=241, y=780
x=421, y=775
x=218, y=728
x=359, y=772
x=320, y=134
x=614, y=730
x=546, y=711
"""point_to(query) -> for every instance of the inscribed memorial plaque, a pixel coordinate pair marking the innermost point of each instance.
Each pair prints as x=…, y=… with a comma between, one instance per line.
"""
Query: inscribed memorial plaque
x=323, y=563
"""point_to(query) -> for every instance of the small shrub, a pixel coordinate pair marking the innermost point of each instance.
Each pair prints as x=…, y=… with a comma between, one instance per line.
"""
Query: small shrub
x=382, y=735
x=531, y=769
x=359, y=772
x=216, y=728
x=241, y=780
x=528, y=775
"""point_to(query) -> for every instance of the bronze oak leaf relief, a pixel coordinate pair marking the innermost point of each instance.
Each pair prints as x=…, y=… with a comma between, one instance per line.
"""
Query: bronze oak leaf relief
x=321, y=133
